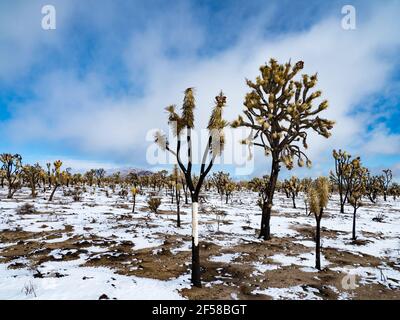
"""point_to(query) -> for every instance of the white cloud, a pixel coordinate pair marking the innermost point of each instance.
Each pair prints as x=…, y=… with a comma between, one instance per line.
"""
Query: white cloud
x=352, y=67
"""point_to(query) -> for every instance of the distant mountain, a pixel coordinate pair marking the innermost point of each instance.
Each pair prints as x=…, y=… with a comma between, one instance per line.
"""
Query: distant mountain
x=126, y=171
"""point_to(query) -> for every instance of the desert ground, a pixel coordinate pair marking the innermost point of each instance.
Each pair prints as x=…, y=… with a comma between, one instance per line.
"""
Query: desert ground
x=96, y=248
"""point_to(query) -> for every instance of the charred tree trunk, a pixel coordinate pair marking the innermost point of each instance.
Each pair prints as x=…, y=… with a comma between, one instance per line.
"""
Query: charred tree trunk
x=341, y=200
x=178, y=208
x=267, y=205
x=195, y=244
x=354, y=224
x=318, y=244
x=186, y=196
x=53, y=192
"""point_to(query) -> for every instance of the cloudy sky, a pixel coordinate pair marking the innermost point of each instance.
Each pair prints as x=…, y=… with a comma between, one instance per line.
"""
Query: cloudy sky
x=90, y=91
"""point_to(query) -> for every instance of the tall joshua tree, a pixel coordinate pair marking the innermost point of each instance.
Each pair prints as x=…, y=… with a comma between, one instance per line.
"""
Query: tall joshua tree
x=12, y=168
x=213, y=149
x=318, y=196
x=280, y=111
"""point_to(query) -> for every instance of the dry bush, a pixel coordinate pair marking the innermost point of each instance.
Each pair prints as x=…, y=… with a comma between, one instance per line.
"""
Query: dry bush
x=154, y=203
x=27, y=208
x=378, y=218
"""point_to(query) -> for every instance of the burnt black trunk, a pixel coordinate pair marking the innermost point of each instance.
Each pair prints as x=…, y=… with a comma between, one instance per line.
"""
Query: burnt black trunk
x=354, y=224
x=265, y=232
x=196, y=273
x=318, y=245
x=178, y=208
x=53, y=192
x=196, y=265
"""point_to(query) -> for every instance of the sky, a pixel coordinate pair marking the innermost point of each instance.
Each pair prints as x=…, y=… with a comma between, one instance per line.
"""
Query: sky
x=92, y=91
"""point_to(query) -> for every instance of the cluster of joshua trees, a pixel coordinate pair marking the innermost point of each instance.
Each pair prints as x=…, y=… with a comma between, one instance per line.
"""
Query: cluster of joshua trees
x=280, y=111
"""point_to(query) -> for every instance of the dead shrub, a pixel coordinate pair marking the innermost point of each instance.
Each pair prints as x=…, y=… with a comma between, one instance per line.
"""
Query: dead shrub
x=27, y=208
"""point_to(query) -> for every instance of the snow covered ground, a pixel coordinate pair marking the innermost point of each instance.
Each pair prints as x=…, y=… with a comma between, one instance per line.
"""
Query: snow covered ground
x=97, y=248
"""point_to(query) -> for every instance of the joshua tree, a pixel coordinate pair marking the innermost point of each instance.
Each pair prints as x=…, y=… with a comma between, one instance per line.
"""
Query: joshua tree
x=89, y=176
x=292, y=188
x=394, y=190
x=259, y=185
x=219, y=180
x=44, y=178
x=373, y=187
x=116, y=178
x=100, y=174
x=280, y=111
x=12, y=168
x=154, y=203
x=48, y=165
x=342, y=165
x=77, y=179
x=2, y=177
x=229, y=187
x=32, y=174
x=386, y=180
x=318, y=196
x=213, y=149
x=134, y=192
x=306, y=183
x=133, y=178
x=56, y=177
x=358, y=183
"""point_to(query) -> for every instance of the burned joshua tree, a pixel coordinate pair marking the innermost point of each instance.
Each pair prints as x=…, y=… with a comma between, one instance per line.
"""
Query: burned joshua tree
x=213, y=149
x=280, y=111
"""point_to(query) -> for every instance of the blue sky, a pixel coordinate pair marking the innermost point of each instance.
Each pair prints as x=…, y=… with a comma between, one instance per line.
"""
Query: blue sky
x=89, y=91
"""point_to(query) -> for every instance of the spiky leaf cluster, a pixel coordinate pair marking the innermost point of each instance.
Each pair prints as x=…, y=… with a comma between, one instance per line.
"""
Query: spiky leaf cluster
x=280, y=110
x=318, y=195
